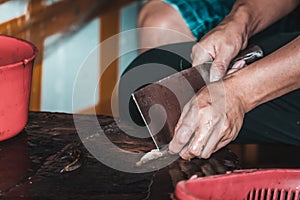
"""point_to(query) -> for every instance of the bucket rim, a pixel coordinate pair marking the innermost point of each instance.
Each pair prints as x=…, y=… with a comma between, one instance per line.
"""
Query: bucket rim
x=24, y=61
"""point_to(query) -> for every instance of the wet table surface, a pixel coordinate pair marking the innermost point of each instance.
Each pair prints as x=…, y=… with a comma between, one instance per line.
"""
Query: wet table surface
x=48, y=160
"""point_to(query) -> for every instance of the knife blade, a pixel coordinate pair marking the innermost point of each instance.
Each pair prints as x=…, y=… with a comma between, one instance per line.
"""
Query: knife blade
x=160, y=104
x=145, y=121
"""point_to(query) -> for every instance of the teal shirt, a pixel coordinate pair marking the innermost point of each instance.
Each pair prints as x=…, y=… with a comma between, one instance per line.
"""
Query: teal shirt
x=202, y=15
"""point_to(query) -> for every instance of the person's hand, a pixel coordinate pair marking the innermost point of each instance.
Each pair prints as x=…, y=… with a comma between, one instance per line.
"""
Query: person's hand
x=220, y=45
x=209, y=121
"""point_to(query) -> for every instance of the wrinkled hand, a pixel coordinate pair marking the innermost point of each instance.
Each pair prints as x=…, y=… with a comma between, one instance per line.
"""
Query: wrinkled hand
x=209, y=121
x=214, y=116
x=220, y=45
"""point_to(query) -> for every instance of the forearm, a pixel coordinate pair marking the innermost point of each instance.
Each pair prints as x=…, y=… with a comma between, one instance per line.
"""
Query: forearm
x=268, y=78
x=225, y=41
x=256, y=15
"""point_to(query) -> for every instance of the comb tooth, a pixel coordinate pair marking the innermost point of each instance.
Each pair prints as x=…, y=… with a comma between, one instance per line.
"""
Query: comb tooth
x=275, y=194
x=289, y=196
x=282, y=194
x=297, y=197
x=256, y=194
x=262, y=196
x=251, y=194
x=269, y=194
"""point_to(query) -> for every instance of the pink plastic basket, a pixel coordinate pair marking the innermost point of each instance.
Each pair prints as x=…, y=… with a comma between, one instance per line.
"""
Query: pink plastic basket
x=269, y=184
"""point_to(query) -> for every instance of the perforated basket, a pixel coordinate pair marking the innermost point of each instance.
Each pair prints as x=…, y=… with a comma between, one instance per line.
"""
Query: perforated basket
x=270, y=184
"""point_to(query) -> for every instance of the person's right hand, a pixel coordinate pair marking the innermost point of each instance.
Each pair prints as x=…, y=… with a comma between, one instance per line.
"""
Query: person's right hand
x=221, y=45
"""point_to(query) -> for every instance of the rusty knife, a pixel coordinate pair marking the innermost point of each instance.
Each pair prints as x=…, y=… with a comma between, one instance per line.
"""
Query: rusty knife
x=160, y=103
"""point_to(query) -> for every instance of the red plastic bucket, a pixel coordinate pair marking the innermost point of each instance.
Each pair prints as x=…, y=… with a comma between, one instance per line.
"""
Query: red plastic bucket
x=16, y=63
x=268, y=184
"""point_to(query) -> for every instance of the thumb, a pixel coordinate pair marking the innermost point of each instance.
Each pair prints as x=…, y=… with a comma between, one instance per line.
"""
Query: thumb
x=219, y=67
x=200, y=55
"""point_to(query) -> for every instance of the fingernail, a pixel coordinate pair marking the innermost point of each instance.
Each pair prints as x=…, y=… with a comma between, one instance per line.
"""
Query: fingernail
x=238, y=65
x=214, y=76
x=171, y=148
x=184, y=155
x=194, y=177
x=171, y=152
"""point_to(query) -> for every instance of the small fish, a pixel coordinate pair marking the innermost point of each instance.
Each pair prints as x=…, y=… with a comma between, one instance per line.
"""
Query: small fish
x=154, y=154
x=75, y=164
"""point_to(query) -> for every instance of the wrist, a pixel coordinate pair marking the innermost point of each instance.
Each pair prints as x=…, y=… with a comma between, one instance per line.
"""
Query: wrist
x=241, y=16
x=235, y=88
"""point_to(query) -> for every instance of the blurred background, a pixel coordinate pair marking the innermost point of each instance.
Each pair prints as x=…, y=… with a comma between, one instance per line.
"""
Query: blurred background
x=65, y=33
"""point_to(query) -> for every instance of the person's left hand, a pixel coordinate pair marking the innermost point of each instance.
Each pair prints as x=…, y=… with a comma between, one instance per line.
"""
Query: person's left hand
x=209, y=121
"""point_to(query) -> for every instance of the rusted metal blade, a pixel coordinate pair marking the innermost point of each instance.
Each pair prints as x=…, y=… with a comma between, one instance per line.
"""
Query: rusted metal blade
x=161, y=103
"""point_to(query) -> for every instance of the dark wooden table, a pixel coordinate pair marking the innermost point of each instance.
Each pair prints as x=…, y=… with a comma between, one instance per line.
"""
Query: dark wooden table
x=31, y=163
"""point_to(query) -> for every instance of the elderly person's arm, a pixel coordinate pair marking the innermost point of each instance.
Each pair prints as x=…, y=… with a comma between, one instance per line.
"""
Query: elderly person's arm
x=215, y=115
x=247, y=18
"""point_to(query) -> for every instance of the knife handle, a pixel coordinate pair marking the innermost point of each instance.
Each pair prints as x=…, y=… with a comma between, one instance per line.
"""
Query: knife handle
x=249, y=55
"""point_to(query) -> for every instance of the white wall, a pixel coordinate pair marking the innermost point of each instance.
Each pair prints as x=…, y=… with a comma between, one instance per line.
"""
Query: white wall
x=63, y=58
x=129, y=16
x=12, y=9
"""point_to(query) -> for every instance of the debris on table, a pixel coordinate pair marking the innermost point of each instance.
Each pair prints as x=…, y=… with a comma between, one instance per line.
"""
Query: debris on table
x=154, y=154
x=76, y=163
